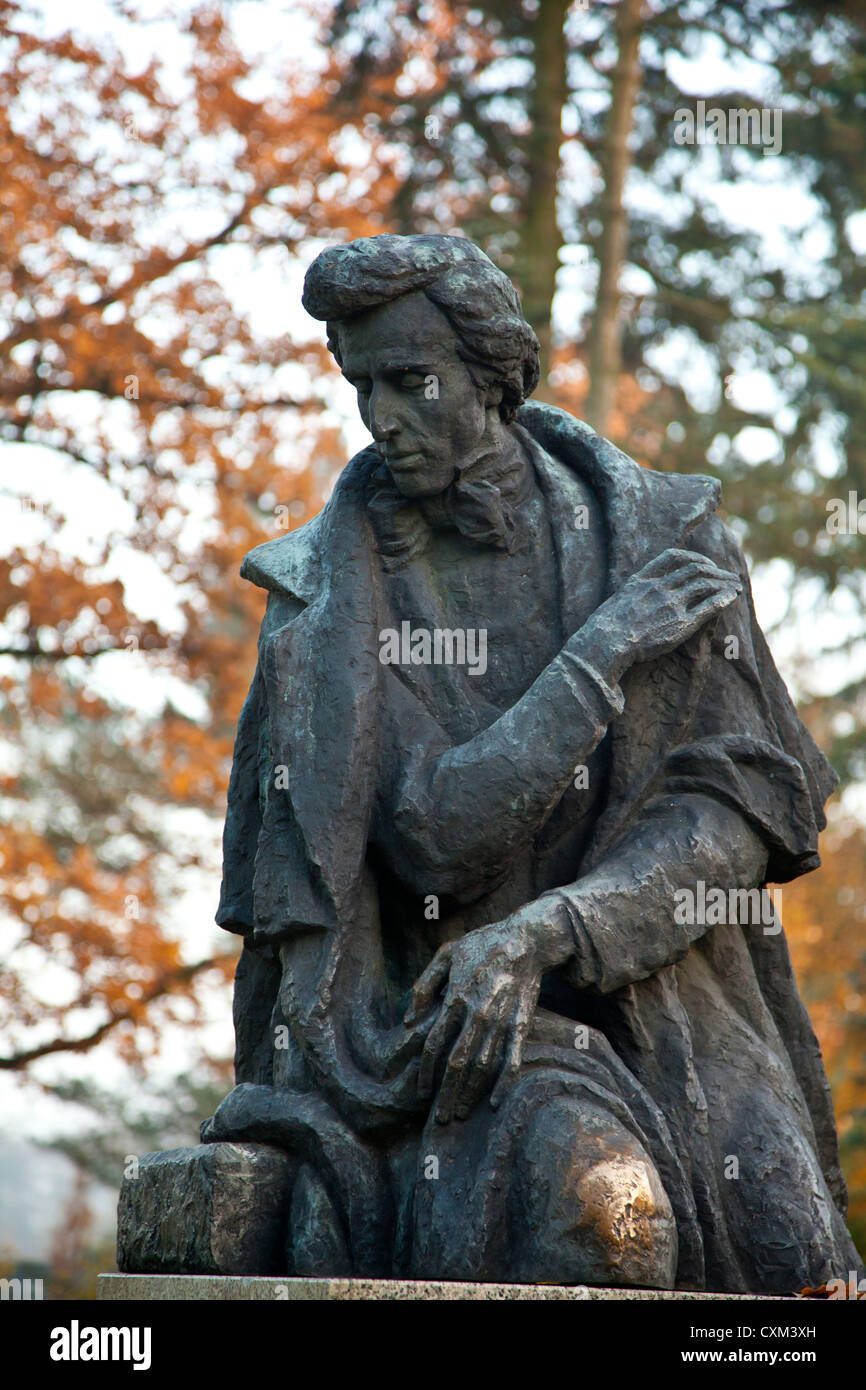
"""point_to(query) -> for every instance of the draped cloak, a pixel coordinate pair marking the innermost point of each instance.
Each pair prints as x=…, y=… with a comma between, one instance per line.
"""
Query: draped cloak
x=694, y=1036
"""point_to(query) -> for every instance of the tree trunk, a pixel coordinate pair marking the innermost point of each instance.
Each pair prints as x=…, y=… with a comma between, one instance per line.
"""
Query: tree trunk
x=537, y=253
x=606, y=333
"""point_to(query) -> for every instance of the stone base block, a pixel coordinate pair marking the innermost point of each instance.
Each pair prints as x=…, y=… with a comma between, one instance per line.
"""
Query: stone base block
x=217, y=1209
x=118, y=1288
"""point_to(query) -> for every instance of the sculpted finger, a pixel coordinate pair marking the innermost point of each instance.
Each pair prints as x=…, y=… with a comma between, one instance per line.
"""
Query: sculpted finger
x=428, y=985
x=444, y=1028
x=460, y=1063
x=479, y=1074
x=703, y=571
x=513, y=1053
x=416, y=1033
x=510, y=1068
x=715, y=601
x=670, y=560
x=702, y=588
x=709, y=608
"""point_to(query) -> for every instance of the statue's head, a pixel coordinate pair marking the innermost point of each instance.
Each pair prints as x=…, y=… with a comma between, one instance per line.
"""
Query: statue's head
x=431, y=335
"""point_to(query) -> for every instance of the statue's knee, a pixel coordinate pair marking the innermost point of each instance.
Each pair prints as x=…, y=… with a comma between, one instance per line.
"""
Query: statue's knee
x=623, y=1209
x=594, y=1201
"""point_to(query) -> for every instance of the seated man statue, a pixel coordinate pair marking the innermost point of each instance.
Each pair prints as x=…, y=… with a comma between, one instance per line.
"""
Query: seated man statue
x=513, y=773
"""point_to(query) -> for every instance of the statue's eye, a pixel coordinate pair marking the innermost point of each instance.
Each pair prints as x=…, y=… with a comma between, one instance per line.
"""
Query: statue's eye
x=411, y=381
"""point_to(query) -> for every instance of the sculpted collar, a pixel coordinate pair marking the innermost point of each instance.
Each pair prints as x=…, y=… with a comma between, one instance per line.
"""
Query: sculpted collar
x=480, y=504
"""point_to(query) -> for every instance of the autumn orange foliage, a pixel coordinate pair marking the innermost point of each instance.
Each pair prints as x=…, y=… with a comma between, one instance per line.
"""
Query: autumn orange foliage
x=123, y=349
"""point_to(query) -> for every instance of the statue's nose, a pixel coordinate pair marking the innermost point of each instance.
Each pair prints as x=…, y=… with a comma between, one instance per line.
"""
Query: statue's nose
x=383, y=420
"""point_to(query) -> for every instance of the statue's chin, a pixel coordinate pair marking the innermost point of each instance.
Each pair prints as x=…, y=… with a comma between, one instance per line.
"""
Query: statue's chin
x=414, y=487
x=416, y=480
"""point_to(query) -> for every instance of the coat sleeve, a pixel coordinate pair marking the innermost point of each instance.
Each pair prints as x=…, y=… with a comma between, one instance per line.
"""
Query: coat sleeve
x=449, y=817
x=257, y=978
x=248, y=787
x=737, y=802
x=626, y=913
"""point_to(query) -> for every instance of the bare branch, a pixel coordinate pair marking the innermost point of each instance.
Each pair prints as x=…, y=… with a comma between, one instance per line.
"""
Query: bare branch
x=164, y=986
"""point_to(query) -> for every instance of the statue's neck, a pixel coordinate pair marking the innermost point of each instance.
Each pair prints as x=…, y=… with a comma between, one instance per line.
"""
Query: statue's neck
x=502, y=463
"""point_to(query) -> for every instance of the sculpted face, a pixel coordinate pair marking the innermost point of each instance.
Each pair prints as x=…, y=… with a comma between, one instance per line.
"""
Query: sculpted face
x=415, y=394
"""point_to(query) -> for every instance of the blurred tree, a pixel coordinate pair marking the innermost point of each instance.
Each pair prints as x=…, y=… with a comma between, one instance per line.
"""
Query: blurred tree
x=824, y=917
x=123, y=348
x=77, y=1256
x=121, y=1126
x=69, y=1276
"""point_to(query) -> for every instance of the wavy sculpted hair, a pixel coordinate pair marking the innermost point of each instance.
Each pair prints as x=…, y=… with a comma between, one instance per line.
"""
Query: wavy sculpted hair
x=478, y=299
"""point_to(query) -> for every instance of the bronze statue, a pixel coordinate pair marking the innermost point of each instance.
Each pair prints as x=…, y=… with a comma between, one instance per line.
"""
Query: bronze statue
x=514, y=769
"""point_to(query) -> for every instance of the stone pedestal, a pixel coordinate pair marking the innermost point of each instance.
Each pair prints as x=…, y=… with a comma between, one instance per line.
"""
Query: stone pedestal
x=117, y=1288
x=217, y=1209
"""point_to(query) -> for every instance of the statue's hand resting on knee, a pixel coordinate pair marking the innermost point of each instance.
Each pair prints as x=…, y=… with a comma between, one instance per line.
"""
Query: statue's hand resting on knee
x=489, y=981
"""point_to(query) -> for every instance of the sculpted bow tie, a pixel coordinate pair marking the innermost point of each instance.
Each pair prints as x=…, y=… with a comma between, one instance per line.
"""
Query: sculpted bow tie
x=480, y=504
